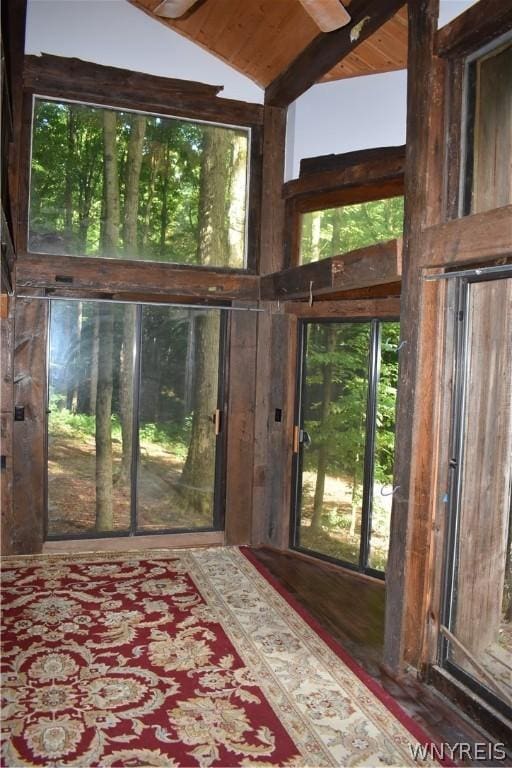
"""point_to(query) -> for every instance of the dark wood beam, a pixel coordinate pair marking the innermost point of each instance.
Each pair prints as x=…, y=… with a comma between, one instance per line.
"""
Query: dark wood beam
x=328, y=49
x=344, y=160
x=110, y=86
x=374, y=265
x=350, y=308
x=367, y=173
x=411, y=520
x=117, y=276
x=475, y=239
x=477, y=26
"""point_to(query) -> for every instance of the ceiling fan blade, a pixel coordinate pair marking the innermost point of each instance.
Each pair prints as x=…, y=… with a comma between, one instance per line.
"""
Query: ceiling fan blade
x=327, y=14
x=173, y=9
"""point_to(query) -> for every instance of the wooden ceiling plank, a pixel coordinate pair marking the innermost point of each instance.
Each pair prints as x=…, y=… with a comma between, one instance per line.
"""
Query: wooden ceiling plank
x=328, y=49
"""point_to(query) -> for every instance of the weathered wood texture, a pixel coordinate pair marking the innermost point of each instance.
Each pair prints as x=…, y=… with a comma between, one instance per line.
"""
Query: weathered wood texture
x=478, y=238
x=137, y=543
x=373, y=265
x=492, y=144
x=328, y=49
x=478, y=25
x=276, y=363
x=486, y=472
x=111, y=86
x=261, y=37
x=353, y=169
x=13, y=43
x=411, y=519
x=6, y=423
x=26, y=534
x=240, y=423
x=386, y=307
x=109, y=276
x=272, y=205
x=338, y=162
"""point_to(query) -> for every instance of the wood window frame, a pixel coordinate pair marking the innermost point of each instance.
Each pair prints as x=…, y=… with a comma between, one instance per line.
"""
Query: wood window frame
x=337, y=180
x=75, y=80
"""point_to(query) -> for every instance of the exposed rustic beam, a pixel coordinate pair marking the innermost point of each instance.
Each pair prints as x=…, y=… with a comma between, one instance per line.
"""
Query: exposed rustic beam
x=474, y=28
x=328, y=49
x=477, y=238
x=339, y=162
x=376, y=169
x=117, y=276
x=110, y=86
x=411, y=520
x=373, y=265
x=350, y=308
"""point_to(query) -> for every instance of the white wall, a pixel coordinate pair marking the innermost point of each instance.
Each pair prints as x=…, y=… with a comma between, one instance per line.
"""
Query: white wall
x=116, y=34
x=357, y=113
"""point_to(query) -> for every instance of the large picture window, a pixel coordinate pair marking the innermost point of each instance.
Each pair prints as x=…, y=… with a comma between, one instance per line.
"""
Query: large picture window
x=129, y=185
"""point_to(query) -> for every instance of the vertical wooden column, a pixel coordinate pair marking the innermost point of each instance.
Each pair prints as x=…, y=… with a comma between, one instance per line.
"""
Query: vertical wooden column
x=7, y=421
x=273, y=371
x=240, y=421
x=416, y=434
x=26, y=532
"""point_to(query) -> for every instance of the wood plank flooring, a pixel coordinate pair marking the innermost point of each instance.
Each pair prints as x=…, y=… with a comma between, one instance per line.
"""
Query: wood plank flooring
x=351, y=609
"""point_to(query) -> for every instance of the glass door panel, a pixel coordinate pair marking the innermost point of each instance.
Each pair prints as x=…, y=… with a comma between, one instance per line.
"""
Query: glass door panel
x=479, y=599
x=334, y=397
x=345, y=441
x=90, y=381
x=382, y=494
x=179, y=393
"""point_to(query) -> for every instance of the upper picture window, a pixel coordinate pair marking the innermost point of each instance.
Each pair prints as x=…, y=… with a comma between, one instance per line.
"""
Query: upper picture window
x=337, y=230
x=488, y=167
x=127, y=185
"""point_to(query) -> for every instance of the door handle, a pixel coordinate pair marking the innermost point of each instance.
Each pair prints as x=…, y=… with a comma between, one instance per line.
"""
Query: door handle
x=216, y=418
x=305, y=438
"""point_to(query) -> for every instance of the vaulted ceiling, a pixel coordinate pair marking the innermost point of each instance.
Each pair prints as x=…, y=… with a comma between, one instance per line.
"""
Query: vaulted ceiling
x=260, y=38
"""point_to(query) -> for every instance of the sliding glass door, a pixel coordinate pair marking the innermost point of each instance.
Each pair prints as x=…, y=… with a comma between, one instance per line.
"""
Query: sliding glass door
x=476, y=634
x=345, y=441
x=135, y=399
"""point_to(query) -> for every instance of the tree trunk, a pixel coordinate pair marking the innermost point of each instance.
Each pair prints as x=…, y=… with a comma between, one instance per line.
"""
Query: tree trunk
x=213, y=249
x=131, y=209
x=237, y=201
x=104, y=507
x=111, y=185
x=323, y=451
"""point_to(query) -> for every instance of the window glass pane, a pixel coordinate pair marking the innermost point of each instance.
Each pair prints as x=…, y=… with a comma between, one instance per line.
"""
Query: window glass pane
x=489, y=131
x=135, y=186
x=89, y=424
x=338, y=230
x=335, y=401
x=178, y=397
x=384, y=445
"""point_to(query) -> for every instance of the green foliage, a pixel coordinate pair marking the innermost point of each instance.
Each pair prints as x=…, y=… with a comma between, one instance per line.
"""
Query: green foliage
x=66, y=196
x=338, y=230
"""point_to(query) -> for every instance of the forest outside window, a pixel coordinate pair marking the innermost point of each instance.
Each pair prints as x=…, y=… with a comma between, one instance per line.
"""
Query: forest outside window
x=129, y=185
x=329, y=232
x=344, y=463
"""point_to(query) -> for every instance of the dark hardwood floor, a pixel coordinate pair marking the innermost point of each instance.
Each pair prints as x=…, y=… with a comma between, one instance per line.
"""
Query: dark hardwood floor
x=351, y=609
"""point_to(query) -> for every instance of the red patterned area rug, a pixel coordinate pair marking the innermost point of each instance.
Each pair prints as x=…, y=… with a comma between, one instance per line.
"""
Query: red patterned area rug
x=176, y=658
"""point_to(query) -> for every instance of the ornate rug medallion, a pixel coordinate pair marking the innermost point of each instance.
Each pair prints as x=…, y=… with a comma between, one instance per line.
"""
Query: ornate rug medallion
x=175, y=658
